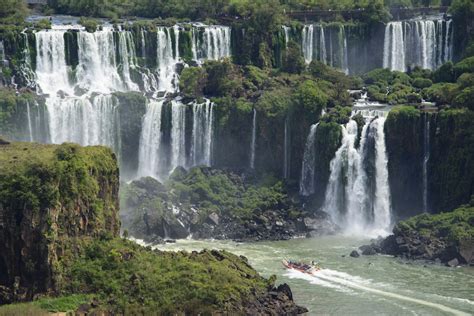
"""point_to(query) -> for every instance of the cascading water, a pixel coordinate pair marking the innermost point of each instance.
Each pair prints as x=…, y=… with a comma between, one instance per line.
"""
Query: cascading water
x=349, y=198
x=309, y=162
x=201, y=149
x=287, y=150
x=178, y=134
x=151, y=141
x=2, y=53
x=254, y=139
x=424, y=43
x=286, y=31
x=326, y=43
x=426, y=159
x=210, y=42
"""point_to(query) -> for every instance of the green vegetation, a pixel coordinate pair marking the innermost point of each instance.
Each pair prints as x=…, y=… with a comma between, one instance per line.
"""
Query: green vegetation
x=455, y=226
x=91, y=25
x=46, y=306
x=127, y=278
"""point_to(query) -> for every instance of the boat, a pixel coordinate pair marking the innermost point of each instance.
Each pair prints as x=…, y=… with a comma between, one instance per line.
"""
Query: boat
x=302, y=267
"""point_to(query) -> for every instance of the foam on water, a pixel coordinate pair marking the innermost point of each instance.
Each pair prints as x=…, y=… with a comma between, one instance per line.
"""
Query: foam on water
x=340, y=280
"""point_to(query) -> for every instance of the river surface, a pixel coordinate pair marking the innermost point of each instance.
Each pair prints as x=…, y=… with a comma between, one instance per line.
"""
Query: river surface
x=369, y=285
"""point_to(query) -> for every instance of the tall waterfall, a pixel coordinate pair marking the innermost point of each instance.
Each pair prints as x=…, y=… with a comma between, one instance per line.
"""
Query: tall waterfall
x=2, y=53
x=326, y=43
x=424, y=43
x=150, y=142
x=426, y=158
x=358, y=193
x=211, y=42
x=287, y=150
x=254, y=139
x=309, y=162
x=203, y=130
x=286, y=32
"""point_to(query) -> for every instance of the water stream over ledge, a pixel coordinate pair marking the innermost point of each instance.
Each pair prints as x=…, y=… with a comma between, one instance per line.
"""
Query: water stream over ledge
x=369, y=285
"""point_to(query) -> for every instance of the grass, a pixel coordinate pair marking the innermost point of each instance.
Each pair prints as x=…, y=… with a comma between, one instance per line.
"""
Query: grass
x=45, y=306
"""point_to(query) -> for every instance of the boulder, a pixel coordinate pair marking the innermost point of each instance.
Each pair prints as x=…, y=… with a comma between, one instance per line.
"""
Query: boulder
x=368, y=250
x=354, y=254
x=453, y=263
x=213, y=219
x=466, y=251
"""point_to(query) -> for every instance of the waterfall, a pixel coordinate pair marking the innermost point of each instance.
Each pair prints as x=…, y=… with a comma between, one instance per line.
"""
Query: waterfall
x=178, y=135
x=210, y=42
x=167, y=58
x=424, y=43
x=394, y=47
x=309, y=162
x=286, y=31
x=349, y=199
x=287, y=151
x=151, y=142
x=315, y=41
x=2, y=53
x=203, y=117
x=30, y=125
x=52, y=73
x=382, y=206
x=86, y=121
x=307, y=44
x=426, y=158
x=254, y=139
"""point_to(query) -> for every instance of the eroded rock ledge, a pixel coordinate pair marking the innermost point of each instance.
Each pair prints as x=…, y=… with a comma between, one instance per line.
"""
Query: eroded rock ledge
x=446, y=238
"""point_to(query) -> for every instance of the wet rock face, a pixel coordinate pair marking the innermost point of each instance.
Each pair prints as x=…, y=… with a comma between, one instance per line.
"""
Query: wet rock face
x=153, y=211
x=47, y=198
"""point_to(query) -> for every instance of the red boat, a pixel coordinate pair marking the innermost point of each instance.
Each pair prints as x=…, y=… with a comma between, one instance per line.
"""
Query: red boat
x=302, y=267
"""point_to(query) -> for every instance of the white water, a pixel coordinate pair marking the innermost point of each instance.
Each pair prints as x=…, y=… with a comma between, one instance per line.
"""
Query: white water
x=211, y=42
x=2, y=53
x=287, y=150
x=203, y=121
x=348, y=198
x=309, y=162
x=150, y=142
x=30, y=125
x=327, y=44
x=254, y=139
x=426, y=158
x=382, y=203
x=178, y=135
x=424, y=43
x=342, y=281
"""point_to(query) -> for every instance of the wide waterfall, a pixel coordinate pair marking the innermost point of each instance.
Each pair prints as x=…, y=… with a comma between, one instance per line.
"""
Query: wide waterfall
x=79, y=72
x=358, y=193
x=326, y=43
x=309, y=162
x=210, y=42
x=424, y=43
x=163, y=148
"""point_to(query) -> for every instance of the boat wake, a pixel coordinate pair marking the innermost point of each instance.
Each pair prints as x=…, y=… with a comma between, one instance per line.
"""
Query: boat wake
x=344, y=282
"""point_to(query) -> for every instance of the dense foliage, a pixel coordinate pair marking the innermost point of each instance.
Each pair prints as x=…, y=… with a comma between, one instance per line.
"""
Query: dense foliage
x=455, y=226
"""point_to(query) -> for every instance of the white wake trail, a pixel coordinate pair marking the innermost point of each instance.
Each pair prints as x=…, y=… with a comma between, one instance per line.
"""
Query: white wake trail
x=339, y=280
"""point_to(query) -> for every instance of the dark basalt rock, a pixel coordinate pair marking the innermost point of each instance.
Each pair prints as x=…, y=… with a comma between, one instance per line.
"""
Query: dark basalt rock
x=354, y=254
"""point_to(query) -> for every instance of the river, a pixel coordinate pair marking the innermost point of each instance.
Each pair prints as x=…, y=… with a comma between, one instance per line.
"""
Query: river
x=368, y=285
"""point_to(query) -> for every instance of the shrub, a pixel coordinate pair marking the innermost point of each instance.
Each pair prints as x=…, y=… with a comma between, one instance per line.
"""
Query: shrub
x=192, y=82
x=422, y=83
x=89, y=24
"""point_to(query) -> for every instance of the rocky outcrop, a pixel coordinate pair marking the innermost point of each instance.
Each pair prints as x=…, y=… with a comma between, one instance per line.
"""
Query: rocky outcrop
x=50, y=195
x=446, y=238
x=207, y=203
